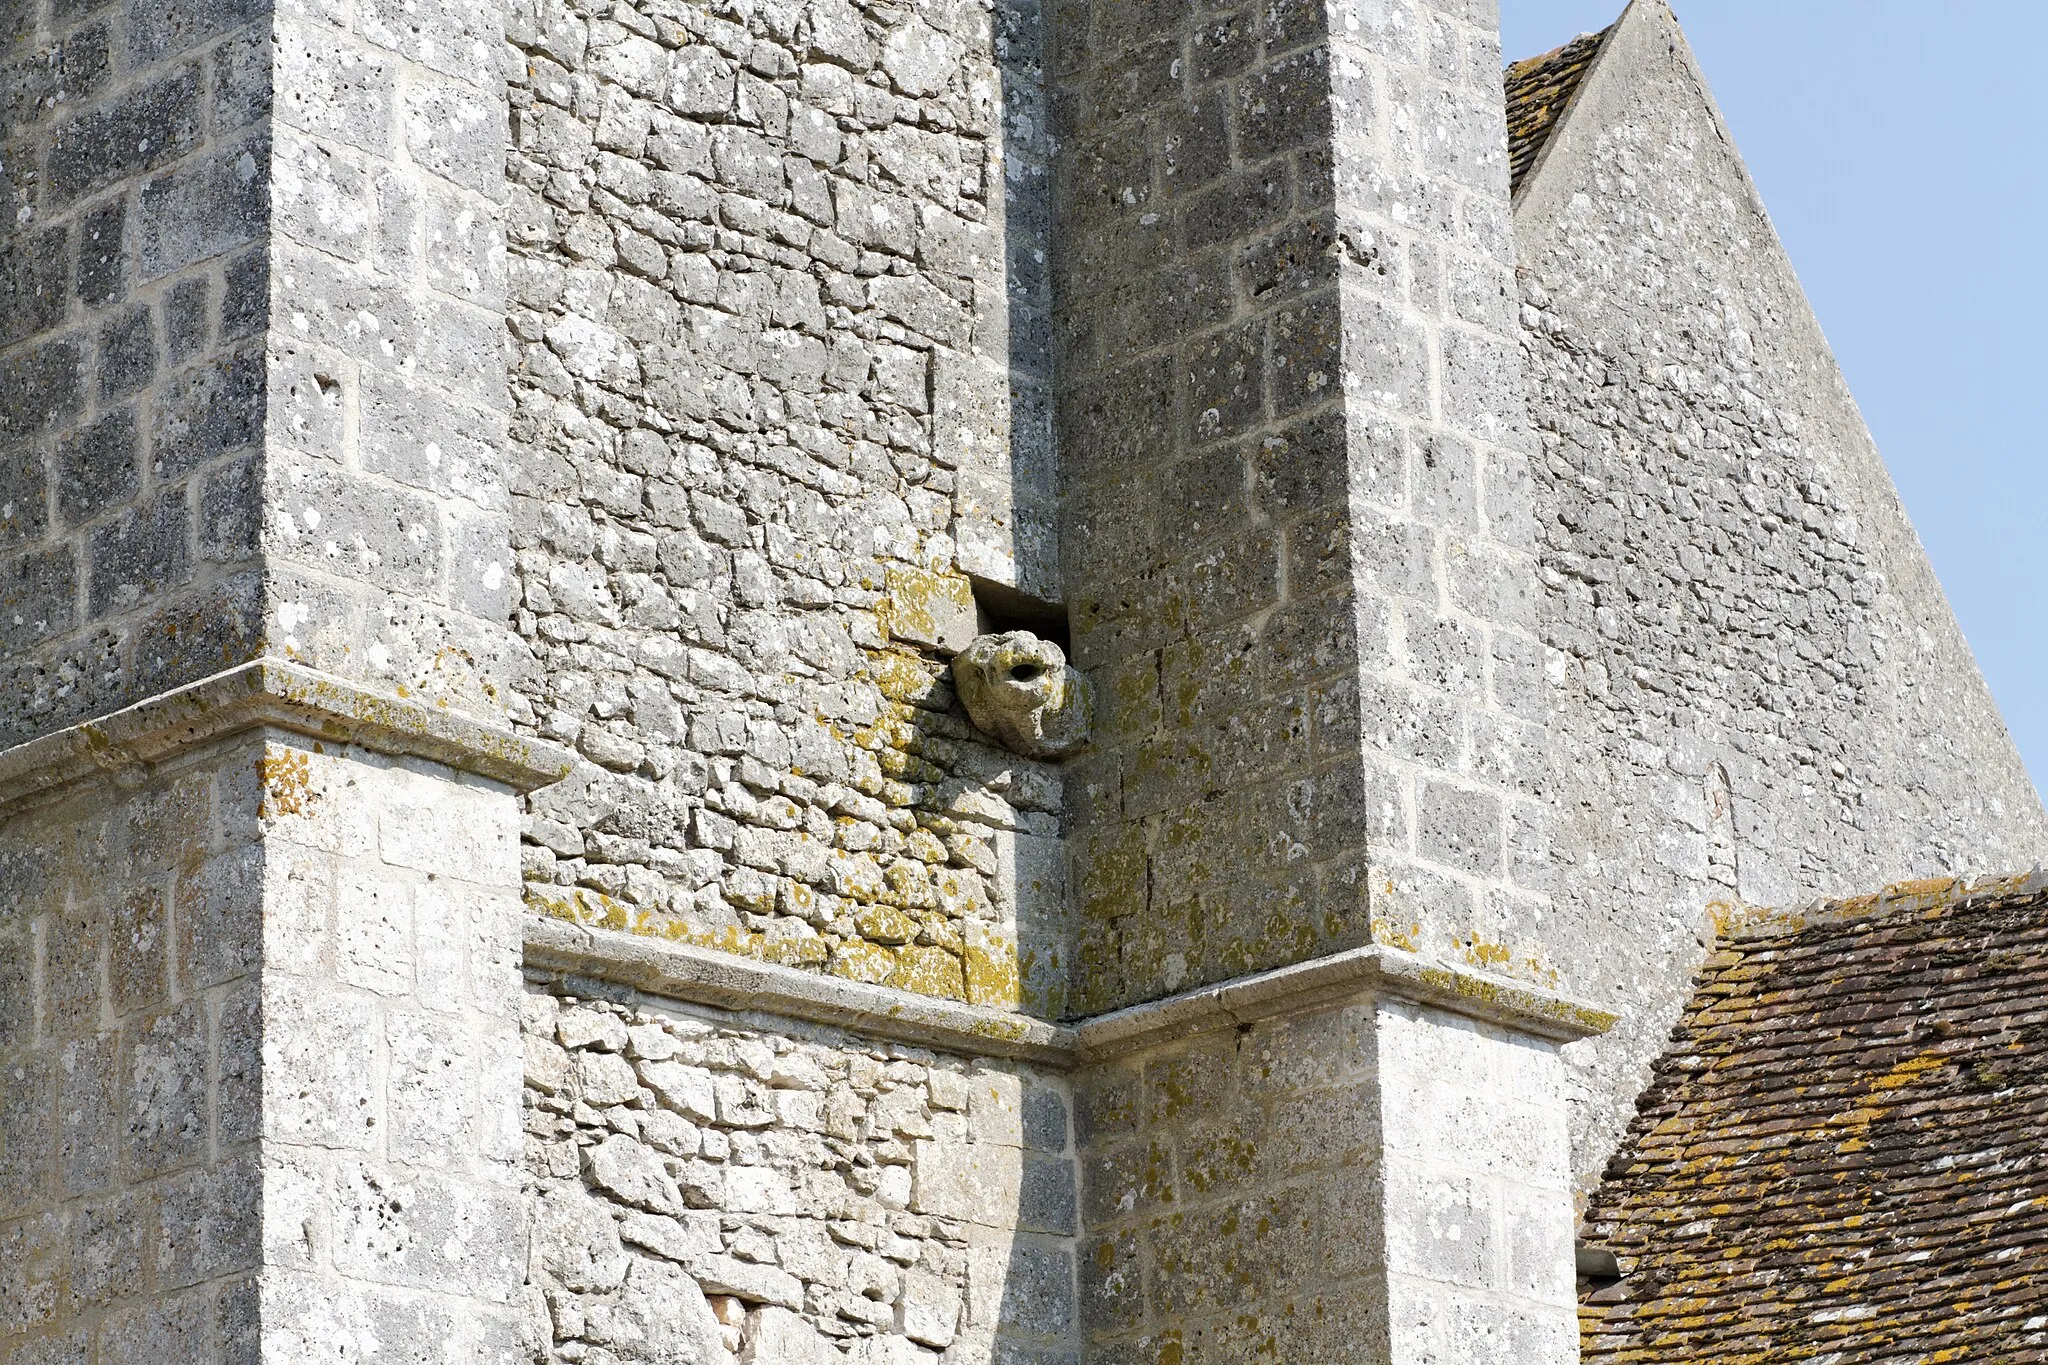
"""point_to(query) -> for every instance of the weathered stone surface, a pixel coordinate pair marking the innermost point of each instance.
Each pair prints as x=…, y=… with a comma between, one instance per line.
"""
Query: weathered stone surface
x=1018, y=688
x=1764, y=697
x=772, y=318
x=835, y=1201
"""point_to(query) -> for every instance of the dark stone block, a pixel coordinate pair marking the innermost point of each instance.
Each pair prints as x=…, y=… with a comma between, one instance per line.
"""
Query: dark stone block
x=184, y=321
x=166, y=1118
x=39, y=387
x=1045, y=1119
x=17, y=988
x=143, y=128
x=1290, y=23
x=67, y=74
x=89, y=1100
x=23, y=504
x=27, y=1100
x=1246, y=204
x=1224, y=46
x=241, y=80
x=1306, y=353
x=1302, y=468
x=230, y=511
x=1143, y=78
x=197, y=635
x=207, y=411
x=139, y=553
x=1046, y=1199
x=1194, y=147
x=1285, y=106
x=103, y=254
x=38, y=597
x=159, y=28
x=98, y=467
x=1162, y=306
x=1224, y=378
x=201, y=209
x=245, y=298
x=1300, y=256
x=1120, y=24
x=35, y=284
x=68, y=11
x=24, y=510
x=41, y=694
x=127, y=353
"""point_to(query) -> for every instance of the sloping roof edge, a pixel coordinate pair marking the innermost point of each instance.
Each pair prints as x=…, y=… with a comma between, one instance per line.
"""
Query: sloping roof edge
x=1838, y=1157
x=1540, y=91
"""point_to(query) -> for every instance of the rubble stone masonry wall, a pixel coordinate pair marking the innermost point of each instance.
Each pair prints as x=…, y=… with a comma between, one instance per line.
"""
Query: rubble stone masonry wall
x=704, y=1187
x=775, y=268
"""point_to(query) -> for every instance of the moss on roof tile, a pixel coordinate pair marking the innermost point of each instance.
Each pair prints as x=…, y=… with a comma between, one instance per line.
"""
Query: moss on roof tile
x=1539, y=90
x=1843, y=1154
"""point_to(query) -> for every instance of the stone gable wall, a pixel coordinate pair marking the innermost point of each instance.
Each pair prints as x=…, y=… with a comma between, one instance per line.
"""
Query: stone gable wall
x=767, y=262
x=1763, y=696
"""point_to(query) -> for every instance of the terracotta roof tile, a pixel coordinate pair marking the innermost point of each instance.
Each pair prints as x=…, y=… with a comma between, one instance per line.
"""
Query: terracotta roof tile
x=1538, y=92
x=1843, y=1154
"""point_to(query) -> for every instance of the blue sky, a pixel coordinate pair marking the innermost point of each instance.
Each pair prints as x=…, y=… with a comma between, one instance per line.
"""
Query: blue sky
x=1899, y=147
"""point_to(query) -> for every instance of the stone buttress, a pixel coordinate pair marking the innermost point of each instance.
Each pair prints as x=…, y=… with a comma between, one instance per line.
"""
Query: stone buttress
x=1299, y=559
x=259, y=877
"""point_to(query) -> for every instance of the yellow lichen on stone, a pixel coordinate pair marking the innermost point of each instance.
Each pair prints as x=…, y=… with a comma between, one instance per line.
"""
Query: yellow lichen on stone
x=920, y=606
x=928, y=971
x=993, y=976
x=287, y=776
x=884, y=924
x=1388, y=934
x=860, y=961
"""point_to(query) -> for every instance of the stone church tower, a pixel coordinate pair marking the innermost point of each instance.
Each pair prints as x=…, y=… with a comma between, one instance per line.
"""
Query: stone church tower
x=690, y=682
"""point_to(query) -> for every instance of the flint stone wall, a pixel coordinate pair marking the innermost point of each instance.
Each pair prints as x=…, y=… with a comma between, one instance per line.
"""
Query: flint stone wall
x=1763, y=696
x=769, y=262
x=704, y=1189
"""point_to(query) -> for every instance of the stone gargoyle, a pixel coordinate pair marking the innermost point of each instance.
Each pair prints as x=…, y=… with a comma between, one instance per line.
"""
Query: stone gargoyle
x=1020, y=689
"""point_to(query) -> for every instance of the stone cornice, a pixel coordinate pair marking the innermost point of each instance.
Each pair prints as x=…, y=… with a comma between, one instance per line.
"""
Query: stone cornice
x=1361, y=973
x=284, y=696
x=704, y=976
x=568, y=952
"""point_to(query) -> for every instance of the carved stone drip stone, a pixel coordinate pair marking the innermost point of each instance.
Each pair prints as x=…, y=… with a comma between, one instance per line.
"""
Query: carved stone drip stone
x=1019, y=688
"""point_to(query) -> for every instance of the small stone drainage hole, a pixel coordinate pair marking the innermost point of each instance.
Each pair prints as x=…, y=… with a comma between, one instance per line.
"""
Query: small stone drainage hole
x=1025, y=673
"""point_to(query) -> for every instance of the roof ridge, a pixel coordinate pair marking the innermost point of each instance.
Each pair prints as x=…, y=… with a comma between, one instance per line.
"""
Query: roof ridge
x=1539, y=90
x=1737, y=924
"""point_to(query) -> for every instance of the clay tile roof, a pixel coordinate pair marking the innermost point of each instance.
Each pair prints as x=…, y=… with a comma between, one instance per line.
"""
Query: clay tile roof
x=1539, y=90
x=1843, y=1155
